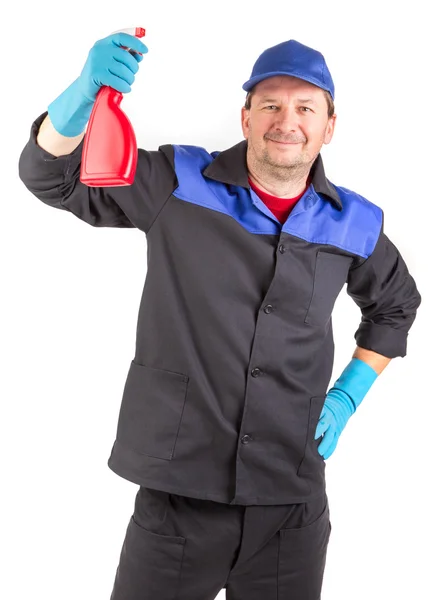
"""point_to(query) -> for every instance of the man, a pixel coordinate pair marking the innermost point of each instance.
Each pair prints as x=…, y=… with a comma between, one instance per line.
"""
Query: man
x=226, y=420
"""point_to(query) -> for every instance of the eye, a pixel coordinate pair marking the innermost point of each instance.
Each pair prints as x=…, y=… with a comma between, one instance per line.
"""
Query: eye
x=306, y=107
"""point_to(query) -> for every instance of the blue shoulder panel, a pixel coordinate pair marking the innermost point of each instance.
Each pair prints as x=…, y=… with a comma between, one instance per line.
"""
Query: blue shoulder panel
x=232, y=200
x=355, y=228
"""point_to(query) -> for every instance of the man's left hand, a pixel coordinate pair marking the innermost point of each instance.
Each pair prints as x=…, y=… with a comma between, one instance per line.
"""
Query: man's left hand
x=336, y=412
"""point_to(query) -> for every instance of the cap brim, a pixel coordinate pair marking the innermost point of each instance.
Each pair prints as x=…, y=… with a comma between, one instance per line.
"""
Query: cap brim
x=248, y=85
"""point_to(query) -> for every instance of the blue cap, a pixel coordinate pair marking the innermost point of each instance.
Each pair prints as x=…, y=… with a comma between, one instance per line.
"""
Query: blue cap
x=292, y=58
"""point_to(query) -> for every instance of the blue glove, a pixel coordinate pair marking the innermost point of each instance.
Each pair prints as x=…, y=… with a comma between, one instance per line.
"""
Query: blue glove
x=341, y=402
x=107, y=64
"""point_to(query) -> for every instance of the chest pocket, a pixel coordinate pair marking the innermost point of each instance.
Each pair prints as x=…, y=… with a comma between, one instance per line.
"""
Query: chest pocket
x=330, y=274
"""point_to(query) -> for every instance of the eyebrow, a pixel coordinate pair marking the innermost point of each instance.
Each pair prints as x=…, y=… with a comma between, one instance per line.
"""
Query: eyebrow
x=301, y=100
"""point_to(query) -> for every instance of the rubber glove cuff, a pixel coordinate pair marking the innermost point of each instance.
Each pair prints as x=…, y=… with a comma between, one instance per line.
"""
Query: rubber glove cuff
x=70, y=112
x=355, y=381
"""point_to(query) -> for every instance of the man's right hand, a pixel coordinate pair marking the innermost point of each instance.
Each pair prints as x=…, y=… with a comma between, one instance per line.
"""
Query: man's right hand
x=108, y=63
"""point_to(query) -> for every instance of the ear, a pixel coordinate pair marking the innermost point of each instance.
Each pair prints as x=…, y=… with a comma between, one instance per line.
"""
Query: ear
x=245, y=115
x=330, y=129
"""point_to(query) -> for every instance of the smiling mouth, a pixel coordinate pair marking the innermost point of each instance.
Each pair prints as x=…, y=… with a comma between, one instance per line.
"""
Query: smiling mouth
x=285, y=143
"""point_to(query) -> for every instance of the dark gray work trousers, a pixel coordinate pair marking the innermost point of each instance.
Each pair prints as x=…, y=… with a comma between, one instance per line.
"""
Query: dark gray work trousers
x=181, y=548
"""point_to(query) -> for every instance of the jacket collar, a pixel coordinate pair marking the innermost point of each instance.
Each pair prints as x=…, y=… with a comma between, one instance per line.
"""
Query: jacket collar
x=230, y=166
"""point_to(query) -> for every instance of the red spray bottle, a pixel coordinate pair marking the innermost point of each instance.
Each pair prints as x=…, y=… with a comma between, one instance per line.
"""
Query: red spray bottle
x=109, y=154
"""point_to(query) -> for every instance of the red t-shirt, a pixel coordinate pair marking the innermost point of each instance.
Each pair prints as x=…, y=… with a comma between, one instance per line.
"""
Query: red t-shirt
x=280, y=207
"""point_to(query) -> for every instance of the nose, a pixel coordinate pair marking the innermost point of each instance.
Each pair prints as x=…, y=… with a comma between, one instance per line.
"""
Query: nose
x=287, y=127
x=287, y=120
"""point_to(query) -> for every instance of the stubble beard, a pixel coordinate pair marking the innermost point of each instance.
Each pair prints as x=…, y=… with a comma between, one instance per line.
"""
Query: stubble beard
x=287, y=169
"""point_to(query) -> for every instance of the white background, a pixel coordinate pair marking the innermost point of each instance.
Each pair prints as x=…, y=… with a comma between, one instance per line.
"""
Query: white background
x=71, y=292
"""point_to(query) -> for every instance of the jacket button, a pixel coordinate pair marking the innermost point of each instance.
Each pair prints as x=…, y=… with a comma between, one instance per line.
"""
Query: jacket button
x=282, y=248
x=268, y=309
x=256, y=372
x=245, y=439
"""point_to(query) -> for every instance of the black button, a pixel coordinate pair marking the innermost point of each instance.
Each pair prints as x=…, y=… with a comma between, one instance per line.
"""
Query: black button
x=245, y=439
x=282, y=248
x=268, y=309
x=256, y=372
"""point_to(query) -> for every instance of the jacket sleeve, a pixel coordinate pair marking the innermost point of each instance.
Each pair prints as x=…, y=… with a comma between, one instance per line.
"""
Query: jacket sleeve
x=386, y=293
x=55, y=181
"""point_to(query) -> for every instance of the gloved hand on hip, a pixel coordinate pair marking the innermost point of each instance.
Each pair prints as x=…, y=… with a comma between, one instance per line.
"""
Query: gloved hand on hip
x=108, y=63
x=341, y=402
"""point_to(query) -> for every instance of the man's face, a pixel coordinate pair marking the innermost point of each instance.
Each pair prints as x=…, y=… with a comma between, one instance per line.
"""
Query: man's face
x=282, y=128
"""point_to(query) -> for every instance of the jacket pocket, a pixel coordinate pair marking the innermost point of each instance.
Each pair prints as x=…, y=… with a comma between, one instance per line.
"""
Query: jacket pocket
x=330, y=275
x=312, y=460
x=151, y=410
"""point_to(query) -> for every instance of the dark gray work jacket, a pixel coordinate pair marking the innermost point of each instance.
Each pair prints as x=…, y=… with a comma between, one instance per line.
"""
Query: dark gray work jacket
x=234, y=343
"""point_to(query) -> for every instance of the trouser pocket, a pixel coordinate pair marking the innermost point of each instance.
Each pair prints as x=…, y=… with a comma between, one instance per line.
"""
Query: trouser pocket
x=302, y=559
x=149, y=566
